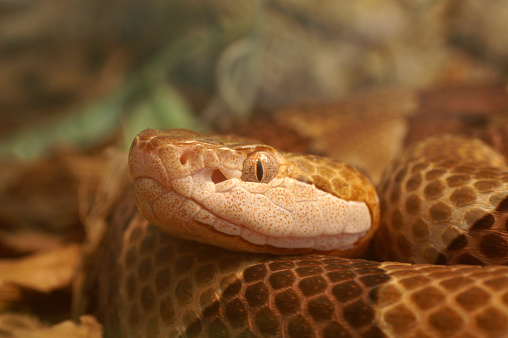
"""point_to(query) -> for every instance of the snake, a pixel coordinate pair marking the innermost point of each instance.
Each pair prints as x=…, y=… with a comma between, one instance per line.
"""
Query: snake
x=221, y=236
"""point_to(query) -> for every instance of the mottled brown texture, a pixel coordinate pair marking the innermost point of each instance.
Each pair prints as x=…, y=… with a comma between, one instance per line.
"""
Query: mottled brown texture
x=311, y=295
x=473, y=298
x=445, y=321
x=198, y=290
x=453, y=206
x=235, y=313
x=321, y=308
x=400, y=318
x=357, y=298
x=427, y=298
x=281, y=279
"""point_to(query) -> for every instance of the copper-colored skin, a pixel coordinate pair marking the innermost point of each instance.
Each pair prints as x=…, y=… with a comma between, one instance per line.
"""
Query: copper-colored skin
x=444, y=200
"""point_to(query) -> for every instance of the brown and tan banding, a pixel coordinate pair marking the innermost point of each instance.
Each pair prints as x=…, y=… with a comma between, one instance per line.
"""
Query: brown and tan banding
x=164, y=286
x=170, y=288
x=445, y=201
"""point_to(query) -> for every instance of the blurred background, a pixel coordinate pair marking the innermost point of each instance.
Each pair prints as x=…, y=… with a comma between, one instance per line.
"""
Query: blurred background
x=72, y=72
x=79, y=76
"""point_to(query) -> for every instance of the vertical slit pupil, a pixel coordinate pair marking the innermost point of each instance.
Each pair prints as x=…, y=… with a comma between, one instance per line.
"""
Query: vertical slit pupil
x=259, y=170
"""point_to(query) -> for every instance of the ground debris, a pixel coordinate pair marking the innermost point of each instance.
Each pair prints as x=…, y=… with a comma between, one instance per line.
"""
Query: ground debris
x=18, y=325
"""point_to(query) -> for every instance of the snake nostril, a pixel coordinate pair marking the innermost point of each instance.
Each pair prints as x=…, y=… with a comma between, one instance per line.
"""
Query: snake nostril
x=185, y=157
x=218, y=176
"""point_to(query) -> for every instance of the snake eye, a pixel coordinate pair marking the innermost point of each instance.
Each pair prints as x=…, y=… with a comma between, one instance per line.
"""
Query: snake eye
x=259, y=167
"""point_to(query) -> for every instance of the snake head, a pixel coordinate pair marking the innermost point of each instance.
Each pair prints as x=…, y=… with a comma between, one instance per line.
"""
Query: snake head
x=247, y=196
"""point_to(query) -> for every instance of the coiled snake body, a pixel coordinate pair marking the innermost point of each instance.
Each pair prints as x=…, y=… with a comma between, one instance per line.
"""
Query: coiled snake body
x=445, y=201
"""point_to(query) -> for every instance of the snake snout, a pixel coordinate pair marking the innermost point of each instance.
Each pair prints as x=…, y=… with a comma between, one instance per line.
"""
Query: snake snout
x=184, y=157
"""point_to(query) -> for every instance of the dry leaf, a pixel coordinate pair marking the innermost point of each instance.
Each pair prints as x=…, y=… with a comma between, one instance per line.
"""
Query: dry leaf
x=41, y=272
x=16, y=325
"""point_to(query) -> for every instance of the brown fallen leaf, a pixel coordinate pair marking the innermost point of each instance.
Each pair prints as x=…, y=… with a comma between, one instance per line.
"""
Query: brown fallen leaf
x=41, y=272
x=27, y=241
x=17, y=325
x=40, y=200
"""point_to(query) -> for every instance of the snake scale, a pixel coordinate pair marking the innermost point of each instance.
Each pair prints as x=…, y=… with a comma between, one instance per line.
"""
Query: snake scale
x=444, y=200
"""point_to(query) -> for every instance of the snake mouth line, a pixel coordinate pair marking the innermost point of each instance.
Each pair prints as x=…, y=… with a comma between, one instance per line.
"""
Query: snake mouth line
x=320, y=243
x=207, y=218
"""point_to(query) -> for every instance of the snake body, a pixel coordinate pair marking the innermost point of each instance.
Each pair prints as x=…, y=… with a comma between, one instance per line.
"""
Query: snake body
x=445, y=201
